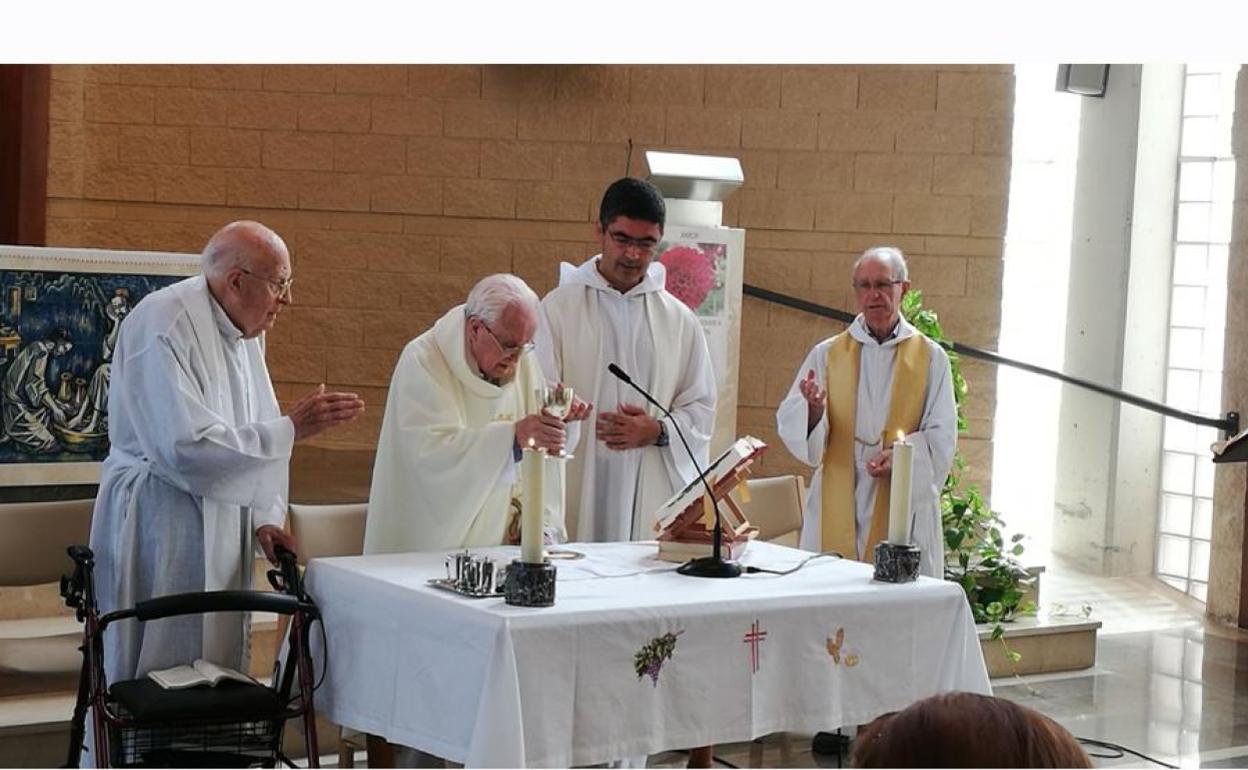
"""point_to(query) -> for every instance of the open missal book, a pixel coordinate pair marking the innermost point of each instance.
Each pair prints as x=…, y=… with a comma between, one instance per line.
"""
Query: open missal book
x=685, y=525
x=201, y=672
x=720, y=474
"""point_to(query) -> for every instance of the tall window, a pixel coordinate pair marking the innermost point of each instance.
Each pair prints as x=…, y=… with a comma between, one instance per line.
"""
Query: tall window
x=1197, y=324
x=1037, y=270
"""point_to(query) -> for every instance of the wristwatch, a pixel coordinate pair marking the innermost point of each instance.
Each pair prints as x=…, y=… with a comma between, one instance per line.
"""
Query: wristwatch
x=663, y=439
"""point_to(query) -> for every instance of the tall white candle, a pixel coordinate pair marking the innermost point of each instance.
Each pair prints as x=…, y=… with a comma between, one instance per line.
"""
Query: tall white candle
x=531, y=506
x=899, y=491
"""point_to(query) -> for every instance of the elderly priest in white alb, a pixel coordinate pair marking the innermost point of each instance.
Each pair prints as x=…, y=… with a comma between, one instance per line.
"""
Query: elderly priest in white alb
x=852, y=395
x=463, y=401
x=614, y=308
x=197, y=470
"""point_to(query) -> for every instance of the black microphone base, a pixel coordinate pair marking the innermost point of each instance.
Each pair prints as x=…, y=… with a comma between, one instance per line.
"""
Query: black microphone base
x=710, y=567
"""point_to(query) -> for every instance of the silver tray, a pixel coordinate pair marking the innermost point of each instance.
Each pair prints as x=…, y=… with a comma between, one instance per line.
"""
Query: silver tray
x=450, y=585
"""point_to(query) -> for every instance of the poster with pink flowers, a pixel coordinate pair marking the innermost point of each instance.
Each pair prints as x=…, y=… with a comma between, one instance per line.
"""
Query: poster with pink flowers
x=704, y=268
x=695, y=275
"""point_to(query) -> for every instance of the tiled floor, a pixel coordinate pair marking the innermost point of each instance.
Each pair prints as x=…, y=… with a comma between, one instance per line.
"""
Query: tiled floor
x=1167, y=682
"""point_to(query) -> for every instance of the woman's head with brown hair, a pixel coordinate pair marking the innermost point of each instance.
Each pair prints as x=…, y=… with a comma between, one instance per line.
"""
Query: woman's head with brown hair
x=963, y=729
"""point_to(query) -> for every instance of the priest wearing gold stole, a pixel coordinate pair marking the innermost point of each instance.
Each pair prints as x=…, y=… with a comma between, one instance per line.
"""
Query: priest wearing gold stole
x=462, y=403
x=852, y=396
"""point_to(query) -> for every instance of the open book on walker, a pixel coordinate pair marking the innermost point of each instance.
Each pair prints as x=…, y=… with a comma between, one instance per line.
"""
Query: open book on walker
x=201, y=672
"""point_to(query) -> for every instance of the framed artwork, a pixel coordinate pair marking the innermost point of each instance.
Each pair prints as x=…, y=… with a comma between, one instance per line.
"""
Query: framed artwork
x=705, y=270
x=61, y=310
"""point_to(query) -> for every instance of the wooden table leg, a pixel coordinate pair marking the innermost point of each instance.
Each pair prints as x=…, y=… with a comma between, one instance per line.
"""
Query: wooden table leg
x=380, y=753
x=702, y=756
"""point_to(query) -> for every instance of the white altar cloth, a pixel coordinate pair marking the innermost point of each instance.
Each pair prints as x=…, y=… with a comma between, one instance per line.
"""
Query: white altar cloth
x=482, y=683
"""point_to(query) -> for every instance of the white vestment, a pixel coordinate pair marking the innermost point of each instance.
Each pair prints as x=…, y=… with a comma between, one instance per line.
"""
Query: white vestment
x=934, y=442
x=586, y=325
x=199, y=458
x=446, y=471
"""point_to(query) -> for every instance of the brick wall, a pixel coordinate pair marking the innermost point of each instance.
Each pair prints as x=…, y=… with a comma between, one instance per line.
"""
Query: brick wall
x=397, y=186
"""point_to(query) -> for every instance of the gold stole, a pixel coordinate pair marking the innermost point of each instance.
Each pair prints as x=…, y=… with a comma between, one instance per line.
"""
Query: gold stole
x=838, y=521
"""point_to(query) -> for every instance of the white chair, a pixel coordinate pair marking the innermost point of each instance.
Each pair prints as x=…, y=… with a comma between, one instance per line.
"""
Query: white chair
x=775, y=507
x=32, y=553
x=328, y=530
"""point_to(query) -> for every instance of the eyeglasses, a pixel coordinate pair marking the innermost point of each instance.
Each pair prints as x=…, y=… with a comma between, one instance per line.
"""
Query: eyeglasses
x=507, y=350
x=642, y=245
x=862, y=287
x=281, y=288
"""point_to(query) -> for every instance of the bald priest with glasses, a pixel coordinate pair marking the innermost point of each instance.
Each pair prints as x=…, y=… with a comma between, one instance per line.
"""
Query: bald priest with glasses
x=463, y=401
x=852, y=396
x=198, y=464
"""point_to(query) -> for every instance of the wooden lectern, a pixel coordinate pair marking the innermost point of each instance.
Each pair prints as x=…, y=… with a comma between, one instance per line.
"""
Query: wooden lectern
x=685, y=523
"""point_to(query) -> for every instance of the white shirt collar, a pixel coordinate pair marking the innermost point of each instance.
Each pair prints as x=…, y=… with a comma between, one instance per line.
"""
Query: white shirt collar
x=859, y=331
x=587, y=274
x=229, y=332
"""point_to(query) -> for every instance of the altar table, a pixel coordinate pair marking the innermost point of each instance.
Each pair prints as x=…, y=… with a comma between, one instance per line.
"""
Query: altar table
x=632, y=658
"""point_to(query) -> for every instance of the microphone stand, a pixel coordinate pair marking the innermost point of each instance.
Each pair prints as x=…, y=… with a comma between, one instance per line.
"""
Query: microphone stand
x=713, y=566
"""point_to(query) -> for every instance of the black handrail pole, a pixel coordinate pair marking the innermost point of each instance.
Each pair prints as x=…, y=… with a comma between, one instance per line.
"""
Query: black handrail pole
x=1229, y=424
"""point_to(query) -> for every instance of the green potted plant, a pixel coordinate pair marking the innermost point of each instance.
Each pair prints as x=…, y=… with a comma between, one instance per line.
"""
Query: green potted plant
x=977, y=556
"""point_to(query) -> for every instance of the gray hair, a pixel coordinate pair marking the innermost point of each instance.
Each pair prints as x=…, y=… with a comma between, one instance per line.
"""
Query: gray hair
x=888, y=255
x=236, y=243
x=495, y=293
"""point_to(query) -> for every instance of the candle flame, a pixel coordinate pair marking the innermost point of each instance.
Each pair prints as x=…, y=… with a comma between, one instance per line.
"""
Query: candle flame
x=532, y=442
x=901, y=436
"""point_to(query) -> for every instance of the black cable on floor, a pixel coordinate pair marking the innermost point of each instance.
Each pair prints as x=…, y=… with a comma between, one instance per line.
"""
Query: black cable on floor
x=1122, y=750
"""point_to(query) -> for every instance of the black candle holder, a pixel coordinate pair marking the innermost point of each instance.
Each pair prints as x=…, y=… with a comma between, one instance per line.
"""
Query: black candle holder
x=897, y=562
x=530, y=585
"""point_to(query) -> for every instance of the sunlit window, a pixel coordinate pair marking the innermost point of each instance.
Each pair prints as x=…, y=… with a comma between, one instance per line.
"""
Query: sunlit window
x=1197, y=323
x=1037, y=266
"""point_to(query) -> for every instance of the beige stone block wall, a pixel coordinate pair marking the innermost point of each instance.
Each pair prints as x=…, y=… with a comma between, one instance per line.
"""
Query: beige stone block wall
x=397, y=186
x=1229, y=500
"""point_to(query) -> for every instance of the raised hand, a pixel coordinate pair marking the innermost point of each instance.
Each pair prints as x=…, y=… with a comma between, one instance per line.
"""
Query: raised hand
x=816, y=399
x=320, y=410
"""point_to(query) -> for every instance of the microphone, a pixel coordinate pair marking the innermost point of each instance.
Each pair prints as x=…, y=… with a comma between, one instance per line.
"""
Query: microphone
x=712, y=566
x=618, y=372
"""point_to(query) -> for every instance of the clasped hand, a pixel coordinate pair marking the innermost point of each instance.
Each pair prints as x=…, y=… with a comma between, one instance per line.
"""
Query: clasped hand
x=881, y=464
x=579, y=410
x=629, y=428
x=541, y=431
